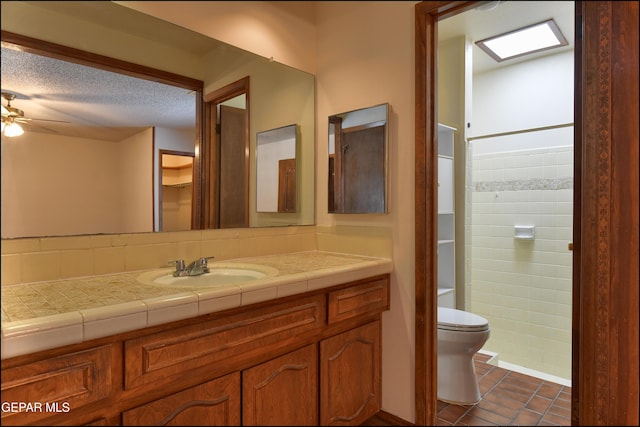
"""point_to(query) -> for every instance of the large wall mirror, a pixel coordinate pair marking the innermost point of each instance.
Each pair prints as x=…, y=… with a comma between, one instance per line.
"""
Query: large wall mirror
x=71, y=173
x=358, y=161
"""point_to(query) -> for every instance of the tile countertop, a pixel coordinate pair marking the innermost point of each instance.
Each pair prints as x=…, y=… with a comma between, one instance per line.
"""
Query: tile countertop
x=43, y=315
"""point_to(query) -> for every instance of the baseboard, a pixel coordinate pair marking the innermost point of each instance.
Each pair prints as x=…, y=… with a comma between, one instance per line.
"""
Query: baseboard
x=392, y=420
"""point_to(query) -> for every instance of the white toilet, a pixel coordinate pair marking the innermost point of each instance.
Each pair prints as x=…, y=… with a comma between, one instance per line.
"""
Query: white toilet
x=460, y=336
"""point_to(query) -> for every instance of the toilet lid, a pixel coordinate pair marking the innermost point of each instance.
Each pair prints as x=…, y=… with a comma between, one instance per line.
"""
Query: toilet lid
x=451, y=319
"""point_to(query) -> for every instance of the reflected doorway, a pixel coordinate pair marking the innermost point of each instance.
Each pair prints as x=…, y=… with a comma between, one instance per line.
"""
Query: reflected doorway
x=225, y=157
x=176, y=195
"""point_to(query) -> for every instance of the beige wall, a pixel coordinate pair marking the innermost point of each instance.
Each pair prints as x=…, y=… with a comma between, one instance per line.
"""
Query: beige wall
x=359, y=69
x=354, y=69
x=116, y=199
x=262, y=27
x=51, y=258
x=32, y=21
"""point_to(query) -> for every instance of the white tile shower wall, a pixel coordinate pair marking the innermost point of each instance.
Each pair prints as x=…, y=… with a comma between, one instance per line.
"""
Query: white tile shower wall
x=523, y=287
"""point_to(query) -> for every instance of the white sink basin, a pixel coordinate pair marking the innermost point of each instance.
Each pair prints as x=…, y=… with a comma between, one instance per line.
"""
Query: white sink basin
x=219, y=274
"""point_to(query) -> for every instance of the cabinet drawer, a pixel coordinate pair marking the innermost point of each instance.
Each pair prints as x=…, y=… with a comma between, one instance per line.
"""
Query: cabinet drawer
x=160, y=357
x=57, y=385
x=366, y=298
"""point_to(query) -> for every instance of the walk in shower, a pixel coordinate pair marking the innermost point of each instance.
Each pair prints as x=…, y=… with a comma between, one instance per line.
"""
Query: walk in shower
x=518, y=230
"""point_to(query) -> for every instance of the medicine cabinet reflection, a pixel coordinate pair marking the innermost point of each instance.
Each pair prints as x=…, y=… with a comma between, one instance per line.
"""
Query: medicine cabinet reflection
x=358, y=160
x=276, y=169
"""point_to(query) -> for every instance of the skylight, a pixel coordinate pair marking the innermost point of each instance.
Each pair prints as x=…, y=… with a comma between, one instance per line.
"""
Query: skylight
x=535, y=38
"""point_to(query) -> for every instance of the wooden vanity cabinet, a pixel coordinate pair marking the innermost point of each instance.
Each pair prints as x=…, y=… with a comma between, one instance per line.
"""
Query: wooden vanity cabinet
x=308, y=359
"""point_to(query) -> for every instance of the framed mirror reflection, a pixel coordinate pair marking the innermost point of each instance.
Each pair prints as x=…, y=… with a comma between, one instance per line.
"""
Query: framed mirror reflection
x=104, y=178
x=276, y=187
x=358, y=161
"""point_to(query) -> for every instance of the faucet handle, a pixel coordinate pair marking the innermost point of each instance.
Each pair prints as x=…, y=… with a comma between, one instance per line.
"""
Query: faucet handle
x=179, y=263
x=203, y=263
x=203, y=260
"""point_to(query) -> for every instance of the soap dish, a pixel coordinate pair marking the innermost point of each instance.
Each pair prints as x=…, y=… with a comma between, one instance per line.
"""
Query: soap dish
x=524, y=232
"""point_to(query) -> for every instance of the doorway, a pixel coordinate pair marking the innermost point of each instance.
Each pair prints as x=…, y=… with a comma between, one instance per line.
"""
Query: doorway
x=513, y=183
x=604, y=371
x=226, y=157
x=176, y=190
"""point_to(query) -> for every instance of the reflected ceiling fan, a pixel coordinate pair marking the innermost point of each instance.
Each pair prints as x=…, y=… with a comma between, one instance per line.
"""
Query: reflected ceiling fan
x=12, y=118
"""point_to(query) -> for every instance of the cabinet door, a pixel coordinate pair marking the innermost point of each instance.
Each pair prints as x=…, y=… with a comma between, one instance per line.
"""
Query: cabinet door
x=214, y=403
x=282, y=391
x=350, y=376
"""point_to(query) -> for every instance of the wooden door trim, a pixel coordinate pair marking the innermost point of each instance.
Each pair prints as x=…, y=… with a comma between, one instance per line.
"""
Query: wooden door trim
x=209, y=211
x=427, y=14
x=605, y=294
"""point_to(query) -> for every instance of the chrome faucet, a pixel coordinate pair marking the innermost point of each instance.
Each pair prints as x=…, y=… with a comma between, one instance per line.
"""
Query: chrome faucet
x=195, y=268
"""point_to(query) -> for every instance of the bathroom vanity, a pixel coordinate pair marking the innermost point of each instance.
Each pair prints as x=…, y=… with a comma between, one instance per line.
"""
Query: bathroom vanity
x=312, y=357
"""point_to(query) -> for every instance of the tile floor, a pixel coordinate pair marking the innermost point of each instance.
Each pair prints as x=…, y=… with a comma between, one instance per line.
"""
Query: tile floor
x=510, y=398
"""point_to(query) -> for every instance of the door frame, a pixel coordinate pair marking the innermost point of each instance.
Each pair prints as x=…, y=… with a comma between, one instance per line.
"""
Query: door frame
x=605, y=269
x=208, y=216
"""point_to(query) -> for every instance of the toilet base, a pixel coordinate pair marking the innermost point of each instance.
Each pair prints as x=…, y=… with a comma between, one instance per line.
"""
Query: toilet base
x=457, y=383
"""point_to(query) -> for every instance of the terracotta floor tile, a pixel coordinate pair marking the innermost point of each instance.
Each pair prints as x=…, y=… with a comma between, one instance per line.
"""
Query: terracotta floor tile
x=539, y=404
x=556, y=419
x=492, y=417
x=510, y=398
x=549, y=390
x=452, y=413
x=498, y=408
x=526, y=418
x=469, y=420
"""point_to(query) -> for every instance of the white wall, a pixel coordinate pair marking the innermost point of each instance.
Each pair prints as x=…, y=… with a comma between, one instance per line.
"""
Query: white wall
x=523, y=287
x=526, y=95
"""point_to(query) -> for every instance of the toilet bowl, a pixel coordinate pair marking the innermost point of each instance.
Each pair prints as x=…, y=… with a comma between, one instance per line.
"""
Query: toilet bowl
x=460, y=335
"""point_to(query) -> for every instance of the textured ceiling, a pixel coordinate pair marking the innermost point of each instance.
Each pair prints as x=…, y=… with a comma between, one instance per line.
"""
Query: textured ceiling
x=96, y=103
x=51, y=89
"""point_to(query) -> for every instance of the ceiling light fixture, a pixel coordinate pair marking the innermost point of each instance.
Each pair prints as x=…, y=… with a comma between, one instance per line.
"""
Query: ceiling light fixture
x=535, y=38
x=10, y=128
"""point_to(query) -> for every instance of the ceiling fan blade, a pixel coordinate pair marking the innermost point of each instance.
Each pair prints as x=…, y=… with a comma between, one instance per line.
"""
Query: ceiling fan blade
x=40, y=128
x=30, y=119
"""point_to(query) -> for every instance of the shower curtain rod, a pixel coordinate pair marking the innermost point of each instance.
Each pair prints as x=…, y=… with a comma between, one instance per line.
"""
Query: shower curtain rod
x=515, y=132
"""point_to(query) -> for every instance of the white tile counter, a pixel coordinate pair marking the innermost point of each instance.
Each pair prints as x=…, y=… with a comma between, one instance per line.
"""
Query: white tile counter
x=43, y=315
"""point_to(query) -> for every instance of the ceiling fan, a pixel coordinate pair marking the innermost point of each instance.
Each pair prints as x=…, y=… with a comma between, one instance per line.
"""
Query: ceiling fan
x=12, y=118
